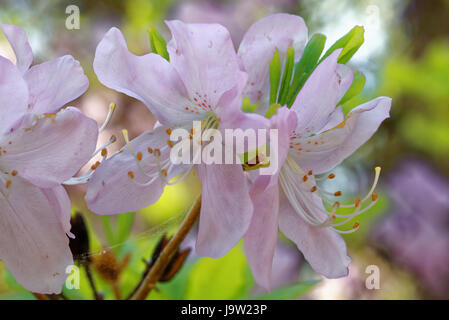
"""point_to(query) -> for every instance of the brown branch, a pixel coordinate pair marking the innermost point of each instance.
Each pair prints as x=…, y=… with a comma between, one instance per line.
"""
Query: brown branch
x=159, y=266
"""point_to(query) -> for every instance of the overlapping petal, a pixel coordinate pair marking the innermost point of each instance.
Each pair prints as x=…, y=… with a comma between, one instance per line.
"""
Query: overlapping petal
x=52, y=149
x=20, y=46
x=205, y=58
x=277, y=31
x=335, y=144
x=226, y=208
x=319, y=96
x=149, y=78
x=13, y=95
x=54, y=83
x=111, y=190
x=34, y=246
x=322, y=247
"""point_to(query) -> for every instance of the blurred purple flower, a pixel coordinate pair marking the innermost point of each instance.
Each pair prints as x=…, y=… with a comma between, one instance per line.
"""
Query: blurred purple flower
x=416, y=233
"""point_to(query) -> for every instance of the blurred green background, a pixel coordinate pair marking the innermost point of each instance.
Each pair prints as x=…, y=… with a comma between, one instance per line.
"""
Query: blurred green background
x=405, y=56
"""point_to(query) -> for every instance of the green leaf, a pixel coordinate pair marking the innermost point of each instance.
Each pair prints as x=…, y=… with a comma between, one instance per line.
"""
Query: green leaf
x=158, y=44
x=224, y=278
x=287, y=76
x=108, y=229
x=350, y=43
x=275, y=76
x=356, y=87
x=124, y=224
x=289, y=292
x=306, y=65
x=247, y=106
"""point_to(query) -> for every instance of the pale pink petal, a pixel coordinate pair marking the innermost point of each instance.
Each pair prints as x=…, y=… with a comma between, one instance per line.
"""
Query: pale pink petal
x=13, y=95
x=345, y=79
x=52, y=149
x=205, y=58
x=336, y=144
x=319, y=96
x=261, y=237
x=149, y=78
x=226, y=208
x=33, y=245
x=60, y=201
x=54, y=83
x=335, y=118
x=111, y=189
x=257, y=48
x=323, y=248
x=20, y=45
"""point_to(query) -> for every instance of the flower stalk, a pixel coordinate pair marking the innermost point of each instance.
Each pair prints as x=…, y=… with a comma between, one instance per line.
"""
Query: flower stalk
x=149, y=282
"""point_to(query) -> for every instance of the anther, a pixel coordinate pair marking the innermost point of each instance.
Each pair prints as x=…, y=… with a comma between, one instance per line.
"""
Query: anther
x=8, y=184
x=150, y=150
x=313, y=189
x=305, y=178
x=139, y=156
x=14, y=173
x=310, y=173
x=157, y=152
x=170, y=143
x=357, y=202
x=131, y=174
x=331, y=176
x=356, y=225
x=164, y=172
x=374, y=196
x=104, y=152
x=168, y=131
x=337, y=194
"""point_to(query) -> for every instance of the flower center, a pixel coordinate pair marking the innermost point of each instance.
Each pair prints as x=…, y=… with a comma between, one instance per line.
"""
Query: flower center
x=300, y=187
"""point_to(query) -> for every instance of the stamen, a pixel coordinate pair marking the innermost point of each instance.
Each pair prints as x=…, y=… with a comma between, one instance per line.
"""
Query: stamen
x=108, y=117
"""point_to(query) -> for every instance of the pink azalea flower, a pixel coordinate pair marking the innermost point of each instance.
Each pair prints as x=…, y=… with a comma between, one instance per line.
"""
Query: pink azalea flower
x=39, y=150
x=203, y=81
x=314, y=137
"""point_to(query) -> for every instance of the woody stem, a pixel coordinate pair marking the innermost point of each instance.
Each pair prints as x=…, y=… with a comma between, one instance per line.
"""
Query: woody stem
x=167, y=253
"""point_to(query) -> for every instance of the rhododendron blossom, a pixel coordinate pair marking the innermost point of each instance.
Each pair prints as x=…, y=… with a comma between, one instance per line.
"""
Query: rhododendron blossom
x=39, y=150
x=314, y=137
x=202, y=81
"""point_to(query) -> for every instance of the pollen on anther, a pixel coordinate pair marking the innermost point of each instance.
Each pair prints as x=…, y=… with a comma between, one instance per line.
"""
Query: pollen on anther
x=104, y=152
x=164, y=172
x=14, y=173
x=310, y=173
x=131, y=174
x=305, y=178
x=168, y=131
x=170, y=143
x=357, y=202
x=356, y=225
x=150, y=150
x=331, y=176
x=313, y=189
x=374, y=196
x=8, y=183
x=139, y=156
x=337, y=194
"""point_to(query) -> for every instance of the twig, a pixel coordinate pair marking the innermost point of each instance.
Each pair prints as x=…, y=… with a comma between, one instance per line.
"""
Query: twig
x=90, y=277
x=158, y=268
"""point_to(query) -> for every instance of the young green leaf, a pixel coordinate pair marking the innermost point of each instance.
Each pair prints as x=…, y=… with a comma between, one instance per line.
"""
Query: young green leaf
x=350, y=43
x=356, y=87
x=287, y=76
x=275, y=76
x=158, y=44
x=306, y=65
